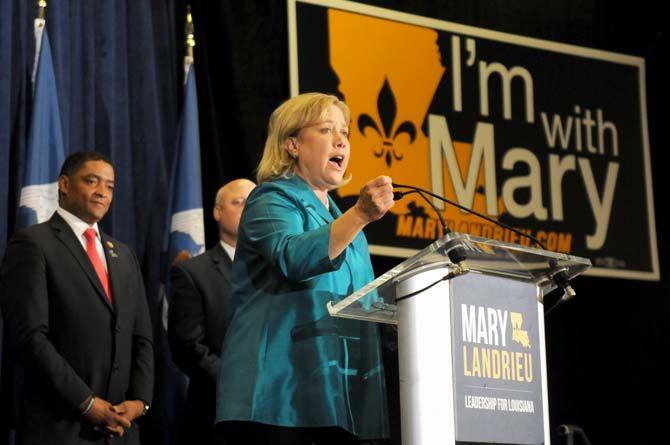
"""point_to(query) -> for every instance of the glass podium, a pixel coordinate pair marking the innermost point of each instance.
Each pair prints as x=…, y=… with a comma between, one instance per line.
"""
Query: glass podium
x=471, y=344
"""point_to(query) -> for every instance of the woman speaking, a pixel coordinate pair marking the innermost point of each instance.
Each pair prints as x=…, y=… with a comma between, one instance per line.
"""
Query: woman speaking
x=290, y=373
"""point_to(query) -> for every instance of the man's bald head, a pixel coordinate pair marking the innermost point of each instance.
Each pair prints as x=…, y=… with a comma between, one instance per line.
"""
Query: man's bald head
x=228, y=206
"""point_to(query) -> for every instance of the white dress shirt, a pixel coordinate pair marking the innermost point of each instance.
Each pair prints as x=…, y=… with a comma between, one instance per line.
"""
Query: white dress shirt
x=79, y=226
x=230, y=250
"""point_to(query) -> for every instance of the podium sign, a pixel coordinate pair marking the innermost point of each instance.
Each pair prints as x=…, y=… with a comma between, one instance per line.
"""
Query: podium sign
x=470, y=338
x=496, y=359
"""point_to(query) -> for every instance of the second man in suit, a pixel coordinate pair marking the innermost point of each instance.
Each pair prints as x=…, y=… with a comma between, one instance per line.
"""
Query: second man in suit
x=197, y=321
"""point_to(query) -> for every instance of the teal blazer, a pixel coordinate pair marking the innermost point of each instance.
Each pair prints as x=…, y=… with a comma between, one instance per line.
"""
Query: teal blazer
x=285, y=360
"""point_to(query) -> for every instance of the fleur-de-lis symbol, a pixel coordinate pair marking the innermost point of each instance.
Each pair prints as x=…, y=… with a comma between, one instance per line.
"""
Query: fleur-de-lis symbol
x=386, y=107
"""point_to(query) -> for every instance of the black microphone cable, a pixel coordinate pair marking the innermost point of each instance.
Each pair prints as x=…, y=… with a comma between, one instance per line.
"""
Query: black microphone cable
x=457, y=254
x=560, y=277
x=448, y=276
x=448, y=201
x=399, y=195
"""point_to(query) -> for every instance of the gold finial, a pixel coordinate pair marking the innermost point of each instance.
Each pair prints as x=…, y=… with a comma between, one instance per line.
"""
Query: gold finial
x=189, y=30
x=42, y=5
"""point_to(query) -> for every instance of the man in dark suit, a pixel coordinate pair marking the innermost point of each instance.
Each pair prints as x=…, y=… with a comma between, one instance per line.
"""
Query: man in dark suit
x=76, y=317
x=196, y=317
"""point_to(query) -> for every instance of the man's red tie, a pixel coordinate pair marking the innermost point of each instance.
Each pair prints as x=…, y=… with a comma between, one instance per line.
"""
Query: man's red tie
x=93, y=255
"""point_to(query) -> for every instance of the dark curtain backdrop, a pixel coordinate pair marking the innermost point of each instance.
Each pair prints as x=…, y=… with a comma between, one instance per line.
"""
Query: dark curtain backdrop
x=119, y=78
x=116, y=67
x=118, y=75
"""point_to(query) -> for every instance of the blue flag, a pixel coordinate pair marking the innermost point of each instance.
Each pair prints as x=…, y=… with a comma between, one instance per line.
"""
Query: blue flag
x=45, y=153
x=186, y=237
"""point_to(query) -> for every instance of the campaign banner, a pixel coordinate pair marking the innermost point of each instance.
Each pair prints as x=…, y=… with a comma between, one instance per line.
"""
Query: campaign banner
x=545, y=137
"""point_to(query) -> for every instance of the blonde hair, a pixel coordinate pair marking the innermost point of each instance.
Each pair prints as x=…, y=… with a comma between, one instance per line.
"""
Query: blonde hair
x=286, y=121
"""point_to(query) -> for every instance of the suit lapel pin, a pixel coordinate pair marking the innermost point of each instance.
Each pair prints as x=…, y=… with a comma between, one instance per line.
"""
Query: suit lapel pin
x=110, y=245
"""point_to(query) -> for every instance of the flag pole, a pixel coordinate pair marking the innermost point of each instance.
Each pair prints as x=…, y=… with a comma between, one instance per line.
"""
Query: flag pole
x=40, y=22
x=45, y=151
x=42, y=6
x=189, y=43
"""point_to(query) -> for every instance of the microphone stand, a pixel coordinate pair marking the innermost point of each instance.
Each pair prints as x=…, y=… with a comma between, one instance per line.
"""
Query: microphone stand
x=559, y=276
x=457, y=254
x=399, y=195
x=448, y=201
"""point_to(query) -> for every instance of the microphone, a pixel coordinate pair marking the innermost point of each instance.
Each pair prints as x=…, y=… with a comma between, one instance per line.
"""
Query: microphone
x=558, y=276
x=399, y=195
x=448, y=201
x=457, y=254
